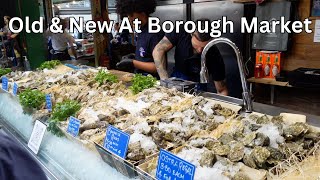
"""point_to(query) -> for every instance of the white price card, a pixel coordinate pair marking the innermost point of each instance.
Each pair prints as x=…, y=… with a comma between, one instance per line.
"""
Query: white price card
x=37, y=136
x=317, y=31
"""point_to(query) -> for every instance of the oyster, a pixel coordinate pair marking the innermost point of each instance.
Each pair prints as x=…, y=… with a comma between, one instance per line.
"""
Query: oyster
x=207, y=159
x=295, y=130
x=221, y=150
x=261, y=140
x=226, y=138
x=260, y=155
x=238, y=136
x=169, y=136
x=41, y=115
x=211, y=143
x=249, y=161
x=275, y=156
x=315, y=136
x=249, y=139
x=201, y=114
x=136, y=153
x=290, y=148
x=236, y=152
x=263, y=120
x=254, y=127
x=240, y=176
x=109, y=119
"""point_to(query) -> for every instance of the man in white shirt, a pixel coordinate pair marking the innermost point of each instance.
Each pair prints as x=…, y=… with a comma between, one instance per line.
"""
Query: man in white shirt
x=61, y=42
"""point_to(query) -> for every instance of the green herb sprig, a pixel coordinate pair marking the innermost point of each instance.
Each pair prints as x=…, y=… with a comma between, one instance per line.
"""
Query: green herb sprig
x=60, y=113
x=49, y=64
x=65, y=109
x=140, y=83
x=32, y=98
x=103, y=77
x=4, y=71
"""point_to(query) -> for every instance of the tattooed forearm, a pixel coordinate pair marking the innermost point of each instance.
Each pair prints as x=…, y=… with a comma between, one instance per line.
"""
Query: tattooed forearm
x=159, y=56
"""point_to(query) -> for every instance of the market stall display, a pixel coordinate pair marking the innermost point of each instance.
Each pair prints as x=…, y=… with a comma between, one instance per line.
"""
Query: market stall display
x=211, y=135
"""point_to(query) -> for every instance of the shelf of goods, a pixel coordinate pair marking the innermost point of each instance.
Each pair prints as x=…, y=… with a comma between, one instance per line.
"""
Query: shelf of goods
x=213, y=135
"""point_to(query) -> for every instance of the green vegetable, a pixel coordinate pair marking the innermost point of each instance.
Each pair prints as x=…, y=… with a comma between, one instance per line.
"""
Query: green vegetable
x=32, y=98
x=60, y=113
x=54, y=129
x=49, y=64
x=4, y=71
x=64, y=110
x=103, y=77
x=140, y=83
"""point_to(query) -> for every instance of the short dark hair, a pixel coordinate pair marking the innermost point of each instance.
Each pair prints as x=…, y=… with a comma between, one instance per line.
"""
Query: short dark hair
x=203, y=37
x=127, y=7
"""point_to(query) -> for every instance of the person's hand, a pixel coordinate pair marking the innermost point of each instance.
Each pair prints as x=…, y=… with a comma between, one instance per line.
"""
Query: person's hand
x=126, y=64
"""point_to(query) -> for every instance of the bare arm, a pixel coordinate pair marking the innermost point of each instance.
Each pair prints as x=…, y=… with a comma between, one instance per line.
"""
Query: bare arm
x=159, y=56
x=71, y=41
x=221, y=87
x=149, y=67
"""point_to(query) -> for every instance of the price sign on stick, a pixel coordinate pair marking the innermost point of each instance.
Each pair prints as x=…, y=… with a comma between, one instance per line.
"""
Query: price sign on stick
x=49, y=102
x=74, y=126
x=116, y=141
x=5, y=84
x=37, y=136
x=15, y=89
x=173, y=167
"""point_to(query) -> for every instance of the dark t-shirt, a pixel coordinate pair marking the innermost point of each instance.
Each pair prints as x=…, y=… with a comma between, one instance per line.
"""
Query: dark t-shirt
x=190, y=64
x=145, y=43
x=16, y=163
x=183, y=51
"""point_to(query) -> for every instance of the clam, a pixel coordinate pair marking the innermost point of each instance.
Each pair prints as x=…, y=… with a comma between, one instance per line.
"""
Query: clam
x=236, y=152
x=295, y=130
x=207, y=159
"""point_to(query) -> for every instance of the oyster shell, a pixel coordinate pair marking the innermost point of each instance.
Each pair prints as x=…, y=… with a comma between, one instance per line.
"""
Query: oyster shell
x=236, y=152
x=315, y=136
x=136, y=153
x=254, y=127
x=260, y=155
x=248, y=140
x=263, y=120
x=261, y=140
x=226, y=138
x=240, y=176
x=249, y=161
x=201, y=114
x=275, y=156
x=221, y=150
x=207, y=159
x=295, y=130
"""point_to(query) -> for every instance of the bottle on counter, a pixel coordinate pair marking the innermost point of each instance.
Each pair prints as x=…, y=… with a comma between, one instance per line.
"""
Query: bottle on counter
x=276, y=67
x=259, y=68
x=26, y=63
x=267, y=67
